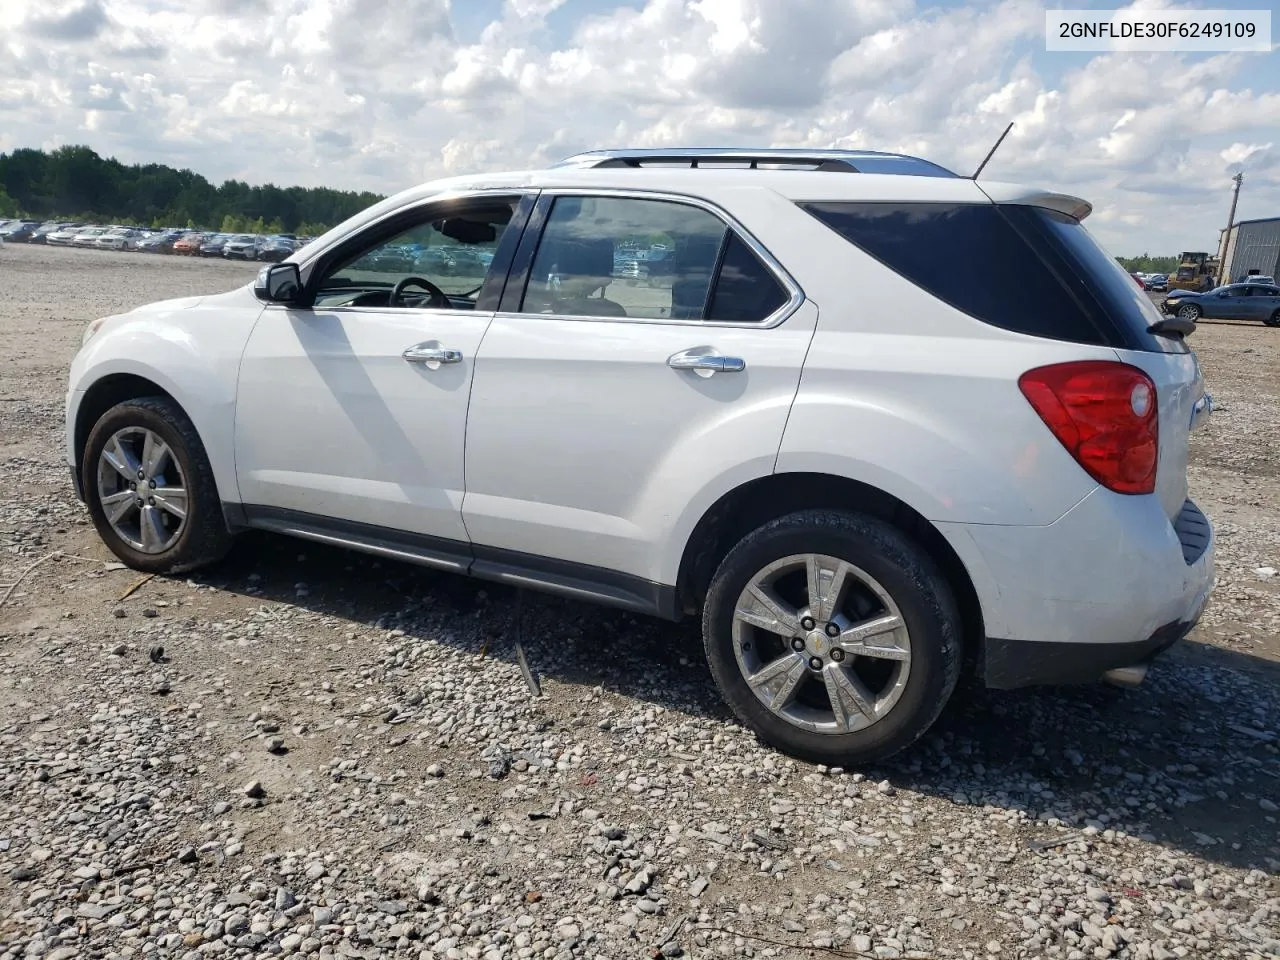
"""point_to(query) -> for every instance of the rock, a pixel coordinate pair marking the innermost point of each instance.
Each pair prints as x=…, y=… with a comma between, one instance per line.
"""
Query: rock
x=435, y=770
x=188, y=855
x=254, y=790
x=275, y=745
x=285, y=898
x=640, y=882
x=23, y=874
x=1268, y=805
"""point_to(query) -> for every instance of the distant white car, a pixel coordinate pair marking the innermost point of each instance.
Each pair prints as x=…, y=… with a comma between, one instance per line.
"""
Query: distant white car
x=245, y=246
x=873, y=423
x=64, y=237
x=88, y=237
x=122, y=238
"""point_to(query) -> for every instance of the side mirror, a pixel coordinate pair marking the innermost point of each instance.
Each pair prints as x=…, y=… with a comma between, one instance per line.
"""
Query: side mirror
x=278, y=283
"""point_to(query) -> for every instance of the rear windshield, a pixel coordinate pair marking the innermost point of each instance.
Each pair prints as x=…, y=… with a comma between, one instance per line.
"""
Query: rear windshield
x=1027, y=269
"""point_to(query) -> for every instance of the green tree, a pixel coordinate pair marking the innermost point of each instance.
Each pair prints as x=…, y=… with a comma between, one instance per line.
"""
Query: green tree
x=8, y=205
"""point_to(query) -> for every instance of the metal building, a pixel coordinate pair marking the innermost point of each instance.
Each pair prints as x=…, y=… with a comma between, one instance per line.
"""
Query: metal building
x=1252, y=246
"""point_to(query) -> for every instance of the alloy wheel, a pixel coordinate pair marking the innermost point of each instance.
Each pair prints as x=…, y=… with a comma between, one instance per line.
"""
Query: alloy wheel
x=142, y=490
x=821, y=644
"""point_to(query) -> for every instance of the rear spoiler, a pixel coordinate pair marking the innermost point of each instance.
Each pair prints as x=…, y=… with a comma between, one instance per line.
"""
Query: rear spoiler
x=1016, y=193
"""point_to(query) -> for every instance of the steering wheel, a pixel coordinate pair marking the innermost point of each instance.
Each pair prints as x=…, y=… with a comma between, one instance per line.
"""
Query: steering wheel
x=438, y=296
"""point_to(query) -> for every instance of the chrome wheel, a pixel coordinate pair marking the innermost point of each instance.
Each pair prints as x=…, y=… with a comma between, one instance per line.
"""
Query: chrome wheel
x=1189, y=311
x=821, y=644
x=142, y=490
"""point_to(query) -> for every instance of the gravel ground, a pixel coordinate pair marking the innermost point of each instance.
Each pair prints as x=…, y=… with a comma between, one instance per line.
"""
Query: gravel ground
x=305, y=751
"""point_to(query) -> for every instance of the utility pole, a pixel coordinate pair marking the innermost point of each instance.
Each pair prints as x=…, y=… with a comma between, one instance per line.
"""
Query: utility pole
x=1231, y=219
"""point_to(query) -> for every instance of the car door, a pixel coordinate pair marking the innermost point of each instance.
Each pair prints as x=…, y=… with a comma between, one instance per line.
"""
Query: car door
x=1270, y=300
x=1227, y=303
x=351, y=409
x=605, y=403
x=1258, y=305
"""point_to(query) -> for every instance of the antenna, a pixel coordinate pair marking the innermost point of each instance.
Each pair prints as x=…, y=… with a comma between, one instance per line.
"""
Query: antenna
x=992, y=151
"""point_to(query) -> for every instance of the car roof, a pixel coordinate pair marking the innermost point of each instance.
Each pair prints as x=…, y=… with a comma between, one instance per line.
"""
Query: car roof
x=795, y=174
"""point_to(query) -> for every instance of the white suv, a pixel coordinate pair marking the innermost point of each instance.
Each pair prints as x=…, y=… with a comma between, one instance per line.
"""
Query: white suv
x=877, y=424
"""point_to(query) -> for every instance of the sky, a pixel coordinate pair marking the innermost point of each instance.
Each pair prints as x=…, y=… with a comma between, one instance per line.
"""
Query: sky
x=383, y=94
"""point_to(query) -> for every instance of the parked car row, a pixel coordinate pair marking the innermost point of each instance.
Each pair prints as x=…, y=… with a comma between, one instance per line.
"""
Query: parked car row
x=1155, y=282
x=242, y=246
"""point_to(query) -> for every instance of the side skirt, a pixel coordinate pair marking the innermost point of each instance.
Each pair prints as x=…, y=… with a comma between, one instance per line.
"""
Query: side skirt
x=579, y=581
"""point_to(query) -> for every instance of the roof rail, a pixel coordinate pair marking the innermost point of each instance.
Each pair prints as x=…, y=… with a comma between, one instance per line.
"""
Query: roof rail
x=830, y=161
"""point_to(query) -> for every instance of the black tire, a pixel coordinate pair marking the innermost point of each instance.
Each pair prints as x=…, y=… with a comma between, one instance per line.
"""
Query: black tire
x=911, y=578
x=1189, y=311
x=1274, y=319
x=205, y=538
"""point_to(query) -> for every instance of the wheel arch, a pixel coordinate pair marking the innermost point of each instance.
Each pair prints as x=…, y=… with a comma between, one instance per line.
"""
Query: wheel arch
x=118, y=386
x=757, y=501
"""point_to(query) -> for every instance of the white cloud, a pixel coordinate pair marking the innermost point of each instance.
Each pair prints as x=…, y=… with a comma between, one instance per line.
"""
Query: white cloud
x=375, y=95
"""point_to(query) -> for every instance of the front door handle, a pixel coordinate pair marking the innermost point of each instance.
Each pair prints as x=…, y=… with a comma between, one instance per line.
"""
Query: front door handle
x=704, y=363
x=432, y=354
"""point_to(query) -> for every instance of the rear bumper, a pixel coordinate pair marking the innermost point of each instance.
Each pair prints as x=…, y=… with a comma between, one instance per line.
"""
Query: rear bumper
x=1111, y=584
x=1008, y=664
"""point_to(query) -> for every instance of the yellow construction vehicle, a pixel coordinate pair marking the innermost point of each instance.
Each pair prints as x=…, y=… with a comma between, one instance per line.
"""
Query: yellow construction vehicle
x=1196, y=271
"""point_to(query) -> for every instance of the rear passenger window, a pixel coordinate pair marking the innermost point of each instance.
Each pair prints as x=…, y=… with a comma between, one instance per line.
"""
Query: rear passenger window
x=646, y=259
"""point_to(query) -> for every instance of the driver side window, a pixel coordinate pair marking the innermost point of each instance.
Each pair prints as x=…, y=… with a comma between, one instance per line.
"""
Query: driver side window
x=440, y=261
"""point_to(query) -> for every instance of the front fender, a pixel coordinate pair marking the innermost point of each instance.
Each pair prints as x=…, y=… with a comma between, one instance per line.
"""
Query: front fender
x=191, y=353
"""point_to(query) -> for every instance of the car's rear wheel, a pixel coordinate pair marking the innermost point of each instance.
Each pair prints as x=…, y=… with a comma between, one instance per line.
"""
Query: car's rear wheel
x=833, y=636
x=1189, y=311
x=1274, y=319
x=150, y=488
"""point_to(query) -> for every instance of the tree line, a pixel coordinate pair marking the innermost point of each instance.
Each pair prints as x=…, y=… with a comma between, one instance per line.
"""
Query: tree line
x=75, y=183
x=1149, y=264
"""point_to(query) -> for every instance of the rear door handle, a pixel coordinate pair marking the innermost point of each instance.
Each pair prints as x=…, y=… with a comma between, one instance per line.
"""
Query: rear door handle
x=432, y=354
x=705, y=363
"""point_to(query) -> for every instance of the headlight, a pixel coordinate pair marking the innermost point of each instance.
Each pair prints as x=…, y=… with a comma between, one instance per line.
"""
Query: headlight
x=91, y=329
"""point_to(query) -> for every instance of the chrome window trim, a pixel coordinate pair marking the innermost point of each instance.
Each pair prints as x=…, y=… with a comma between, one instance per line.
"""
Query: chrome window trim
x=795, y=295
x=383, y=311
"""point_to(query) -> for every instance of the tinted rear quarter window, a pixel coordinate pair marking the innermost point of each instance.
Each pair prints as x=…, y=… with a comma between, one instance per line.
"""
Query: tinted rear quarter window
x=1025, y=269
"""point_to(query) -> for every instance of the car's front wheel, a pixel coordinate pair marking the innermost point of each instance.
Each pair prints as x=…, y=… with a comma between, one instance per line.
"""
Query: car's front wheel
x=1189, y=311
x=1274, y=319
x=150, y=488
x=833, y=636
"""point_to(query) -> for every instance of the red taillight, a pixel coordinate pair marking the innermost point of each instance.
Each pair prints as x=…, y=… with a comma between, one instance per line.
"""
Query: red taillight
x=1104, y=413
